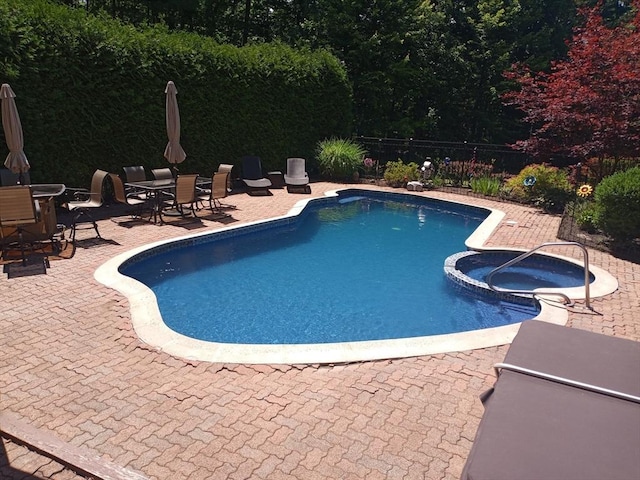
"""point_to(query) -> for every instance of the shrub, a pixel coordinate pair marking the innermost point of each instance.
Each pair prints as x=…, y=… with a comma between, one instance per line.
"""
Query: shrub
x=618, y=204
x=397, y=174
x=585, y=214
x=339, y=158
x=542, y=185
x=485, y=185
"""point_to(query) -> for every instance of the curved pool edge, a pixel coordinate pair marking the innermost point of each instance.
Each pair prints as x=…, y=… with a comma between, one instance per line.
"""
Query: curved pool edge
x=151, y=329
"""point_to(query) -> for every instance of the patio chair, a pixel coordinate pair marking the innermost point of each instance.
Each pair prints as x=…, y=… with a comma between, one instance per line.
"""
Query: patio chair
x=296, y=177
x=90, y=199
x=132, y=199
x=252, y=175
x=134, y=174
x=226, y=168
x=162, y=173
x=18, y=210
x=185, y=194
x=217, y=191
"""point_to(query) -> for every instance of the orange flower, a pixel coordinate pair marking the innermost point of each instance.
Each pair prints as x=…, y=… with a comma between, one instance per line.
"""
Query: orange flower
x=585, y=190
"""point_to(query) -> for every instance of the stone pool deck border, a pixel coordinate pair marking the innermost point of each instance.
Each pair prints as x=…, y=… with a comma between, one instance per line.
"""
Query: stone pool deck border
x=73, y=366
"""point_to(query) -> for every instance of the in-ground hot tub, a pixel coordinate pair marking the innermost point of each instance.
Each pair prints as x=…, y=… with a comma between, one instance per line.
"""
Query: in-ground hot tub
x=536, y=271
x=543, y=272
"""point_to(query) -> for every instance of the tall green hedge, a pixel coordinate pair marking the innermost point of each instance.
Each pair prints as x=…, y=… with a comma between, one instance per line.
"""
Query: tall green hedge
x=90, y=93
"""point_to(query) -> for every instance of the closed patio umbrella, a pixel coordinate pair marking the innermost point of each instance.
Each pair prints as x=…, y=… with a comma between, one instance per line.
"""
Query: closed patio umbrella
x=173, y=152
x=16, y=160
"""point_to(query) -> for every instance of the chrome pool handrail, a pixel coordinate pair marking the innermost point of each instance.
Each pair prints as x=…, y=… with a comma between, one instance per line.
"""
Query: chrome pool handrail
x=537, y=292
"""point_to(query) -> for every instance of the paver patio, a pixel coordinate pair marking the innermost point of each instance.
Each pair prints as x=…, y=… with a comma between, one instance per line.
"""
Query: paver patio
x=72, y=365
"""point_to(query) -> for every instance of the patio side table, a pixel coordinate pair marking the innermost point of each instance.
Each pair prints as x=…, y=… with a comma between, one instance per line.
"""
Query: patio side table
x=276, y=178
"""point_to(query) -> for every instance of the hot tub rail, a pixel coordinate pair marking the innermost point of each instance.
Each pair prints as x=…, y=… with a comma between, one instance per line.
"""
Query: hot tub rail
x=538, y=292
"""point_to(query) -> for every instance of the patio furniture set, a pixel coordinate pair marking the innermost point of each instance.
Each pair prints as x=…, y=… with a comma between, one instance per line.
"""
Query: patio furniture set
x=28, y=215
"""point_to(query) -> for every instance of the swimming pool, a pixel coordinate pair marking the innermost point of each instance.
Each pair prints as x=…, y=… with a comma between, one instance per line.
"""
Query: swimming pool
x=360, y=268
x=151, y=328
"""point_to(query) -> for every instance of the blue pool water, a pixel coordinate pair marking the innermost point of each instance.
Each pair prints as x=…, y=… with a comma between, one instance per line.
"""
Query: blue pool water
x=536, y=271
x=360, y=268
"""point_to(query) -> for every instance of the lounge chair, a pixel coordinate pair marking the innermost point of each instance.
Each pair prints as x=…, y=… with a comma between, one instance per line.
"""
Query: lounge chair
x=132, y=199
x=91, y=199
x=296, y=177
x=566, y=404
x=252, y=175
x=18, y=210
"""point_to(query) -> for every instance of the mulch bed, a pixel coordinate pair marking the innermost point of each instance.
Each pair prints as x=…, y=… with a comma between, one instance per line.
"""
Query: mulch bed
x=570, y=231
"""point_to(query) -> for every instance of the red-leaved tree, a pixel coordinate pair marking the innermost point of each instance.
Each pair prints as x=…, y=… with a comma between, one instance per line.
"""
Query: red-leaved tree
x=589, y=104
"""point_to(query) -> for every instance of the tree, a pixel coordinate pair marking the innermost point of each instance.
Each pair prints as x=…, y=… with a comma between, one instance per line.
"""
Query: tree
x=589, y=104
x=419, y=68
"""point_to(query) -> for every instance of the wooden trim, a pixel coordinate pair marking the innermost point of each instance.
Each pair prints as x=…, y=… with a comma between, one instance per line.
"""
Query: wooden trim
x=81, y=460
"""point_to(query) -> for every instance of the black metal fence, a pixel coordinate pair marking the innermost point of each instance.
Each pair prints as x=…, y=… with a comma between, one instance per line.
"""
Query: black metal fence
x=503, y=157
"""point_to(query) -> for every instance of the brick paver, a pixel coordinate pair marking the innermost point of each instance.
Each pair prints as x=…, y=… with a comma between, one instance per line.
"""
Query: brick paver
x=70, y=363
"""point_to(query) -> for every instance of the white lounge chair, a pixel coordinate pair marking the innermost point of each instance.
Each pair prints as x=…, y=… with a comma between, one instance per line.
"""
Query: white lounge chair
x=297, y=178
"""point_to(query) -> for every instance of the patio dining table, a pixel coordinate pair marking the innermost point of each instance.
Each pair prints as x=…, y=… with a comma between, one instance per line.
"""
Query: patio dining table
x=155, y=190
